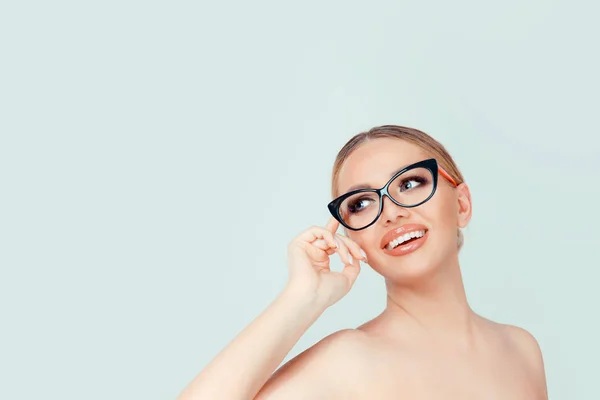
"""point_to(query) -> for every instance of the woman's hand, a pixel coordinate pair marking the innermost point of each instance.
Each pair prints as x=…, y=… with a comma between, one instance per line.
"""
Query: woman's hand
x=309, y=258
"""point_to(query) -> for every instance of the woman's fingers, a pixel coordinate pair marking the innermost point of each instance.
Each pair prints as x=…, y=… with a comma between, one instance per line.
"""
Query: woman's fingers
x=351, y=271
x=354, y=248
x=344, y=252
x=316, y=233
x=318, y=256
x=332, y=225
x=326, y=240
x=323, y=245
x=348, y=249
x=340, y=248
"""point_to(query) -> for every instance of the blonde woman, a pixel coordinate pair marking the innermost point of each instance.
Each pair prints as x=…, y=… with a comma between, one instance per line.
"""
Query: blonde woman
x=402, y=202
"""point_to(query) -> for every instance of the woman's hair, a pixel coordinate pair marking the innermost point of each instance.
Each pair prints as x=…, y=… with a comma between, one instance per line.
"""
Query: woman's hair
x=419, y=138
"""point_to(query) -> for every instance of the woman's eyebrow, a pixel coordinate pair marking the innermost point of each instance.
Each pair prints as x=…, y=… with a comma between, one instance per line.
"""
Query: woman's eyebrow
x=365, y=186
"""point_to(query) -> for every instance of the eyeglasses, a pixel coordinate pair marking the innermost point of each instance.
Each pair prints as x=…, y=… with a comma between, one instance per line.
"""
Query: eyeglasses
x=410, y=187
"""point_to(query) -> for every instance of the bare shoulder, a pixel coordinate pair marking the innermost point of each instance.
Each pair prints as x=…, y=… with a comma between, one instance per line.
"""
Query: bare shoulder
x=319, y=371
x=526, y=350
x=525, y=344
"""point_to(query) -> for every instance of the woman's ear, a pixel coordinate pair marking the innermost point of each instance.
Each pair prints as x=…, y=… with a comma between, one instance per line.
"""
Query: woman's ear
x=465, y=206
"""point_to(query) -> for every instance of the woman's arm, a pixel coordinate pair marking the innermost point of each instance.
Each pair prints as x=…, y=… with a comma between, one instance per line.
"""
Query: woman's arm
x=242, y=368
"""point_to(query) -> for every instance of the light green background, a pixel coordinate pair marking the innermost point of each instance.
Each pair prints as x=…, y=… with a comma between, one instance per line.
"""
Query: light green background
x=125, y=263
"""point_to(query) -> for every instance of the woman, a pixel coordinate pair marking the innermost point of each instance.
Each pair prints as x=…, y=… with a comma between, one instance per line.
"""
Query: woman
x=401, y=202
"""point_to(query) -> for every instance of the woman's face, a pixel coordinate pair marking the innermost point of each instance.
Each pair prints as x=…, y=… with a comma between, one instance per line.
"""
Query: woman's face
x=439, y=218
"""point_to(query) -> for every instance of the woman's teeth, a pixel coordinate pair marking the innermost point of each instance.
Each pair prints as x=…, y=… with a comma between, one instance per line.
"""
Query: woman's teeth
x=406, y=237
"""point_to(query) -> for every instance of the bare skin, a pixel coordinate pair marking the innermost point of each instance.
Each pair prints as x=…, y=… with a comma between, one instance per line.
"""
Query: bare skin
x=499, y=362
x=427, y=343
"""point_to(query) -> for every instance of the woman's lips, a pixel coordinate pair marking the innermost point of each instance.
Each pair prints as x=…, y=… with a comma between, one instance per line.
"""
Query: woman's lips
x=401, y=231
x=407, y=248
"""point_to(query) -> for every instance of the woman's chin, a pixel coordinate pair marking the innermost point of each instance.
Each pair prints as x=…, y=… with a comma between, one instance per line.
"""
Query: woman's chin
x=409, y=263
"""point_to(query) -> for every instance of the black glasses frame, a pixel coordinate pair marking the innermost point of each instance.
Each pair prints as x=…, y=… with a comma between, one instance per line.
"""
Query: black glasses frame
x=430, y=164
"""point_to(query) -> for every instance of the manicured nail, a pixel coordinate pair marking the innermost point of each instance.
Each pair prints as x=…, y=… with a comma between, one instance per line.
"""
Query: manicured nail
x=363, y=253
x=350, y=258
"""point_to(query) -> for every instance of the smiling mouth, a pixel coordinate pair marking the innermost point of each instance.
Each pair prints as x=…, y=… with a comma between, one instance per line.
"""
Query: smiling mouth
x=405, y=239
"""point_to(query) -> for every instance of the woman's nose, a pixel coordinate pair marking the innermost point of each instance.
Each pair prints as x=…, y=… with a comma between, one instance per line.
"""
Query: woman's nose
x=391, y=211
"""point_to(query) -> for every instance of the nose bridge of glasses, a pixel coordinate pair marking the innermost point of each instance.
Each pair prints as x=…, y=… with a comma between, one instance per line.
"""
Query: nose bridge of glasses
x=390, y=206
x=386, y=193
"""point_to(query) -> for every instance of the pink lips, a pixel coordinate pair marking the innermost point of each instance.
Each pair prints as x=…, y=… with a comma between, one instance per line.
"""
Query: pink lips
x=407, y=248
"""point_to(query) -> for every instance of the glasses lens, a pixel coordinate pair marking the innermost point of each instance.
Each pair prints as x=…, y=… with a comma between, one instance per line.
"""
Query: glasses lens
x=360, y=209
x=410, y=188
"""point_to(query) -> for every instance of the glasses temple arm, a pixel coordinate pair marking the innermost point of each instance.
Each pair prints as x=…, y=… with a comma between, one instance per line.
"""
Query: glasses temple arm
x=447, y=176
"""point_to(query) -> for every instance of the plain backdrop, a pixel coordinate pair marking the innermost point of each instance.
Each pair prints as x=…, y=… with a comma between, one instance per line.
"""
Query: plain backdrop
x=157, y=157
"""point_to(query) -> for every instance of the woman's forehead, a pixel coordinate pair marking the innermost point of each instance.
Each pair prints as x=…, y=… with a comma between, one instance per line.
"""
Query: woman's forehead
x=374, y=161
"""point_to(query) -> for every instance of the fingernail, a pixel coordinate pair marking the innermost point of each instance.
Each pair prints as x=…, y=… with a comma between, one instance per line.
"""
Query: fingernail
x=350, y=258
x=363, y=253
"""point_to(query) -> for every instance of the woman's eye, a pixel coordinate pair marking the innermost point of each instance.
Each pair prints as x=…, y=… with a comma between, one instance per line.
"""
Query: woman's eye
x=359, y=205
x=409, y=184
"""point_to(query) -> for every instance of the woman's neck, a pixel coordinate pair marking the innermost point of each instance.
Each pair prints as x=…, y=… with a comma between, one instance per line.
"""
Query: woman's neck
x=435, y=306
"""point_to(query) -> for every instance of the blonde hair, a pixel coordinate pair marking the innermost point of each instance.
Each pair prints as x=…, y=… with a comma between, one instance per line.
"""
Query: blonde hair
x=415, y=136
